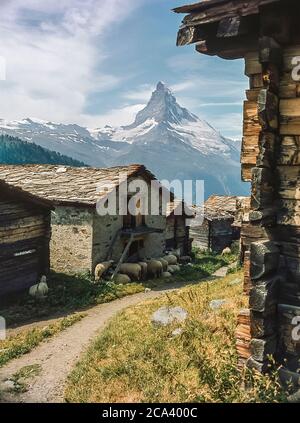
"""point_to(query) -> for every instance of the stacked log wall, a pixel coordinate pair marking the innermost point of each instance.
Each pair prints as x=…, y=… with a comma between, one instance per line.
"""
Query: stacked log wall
x=288, y=218
x=24, y=244
x=270, y=159
x=200, y=234
x=177, y=233
x=221, y=234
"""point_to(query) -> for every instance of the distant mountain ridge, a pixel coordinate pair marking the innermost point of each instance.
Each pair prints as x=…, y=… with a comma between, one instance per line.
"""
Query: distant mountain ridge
x=168, y=139
x=15, y=151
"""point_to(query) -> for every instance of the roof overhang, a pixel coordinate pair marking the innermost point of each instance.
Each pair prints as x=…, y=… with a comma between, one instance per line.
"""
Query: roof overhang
x=16, y=193
x=229, y=28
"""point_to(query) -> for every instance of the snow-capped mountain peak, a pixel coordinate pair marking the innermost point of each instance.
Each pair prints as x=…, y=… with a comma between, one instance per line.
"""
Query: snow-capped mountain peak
x=166, y=137
x=164, y=120
x=163, y=107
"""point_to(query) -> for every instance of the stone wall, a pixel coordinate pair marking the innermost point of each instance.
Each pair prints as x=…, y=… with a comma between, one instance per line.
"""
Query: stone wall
x=105, y=229
x=155, y=244
x=71, y=241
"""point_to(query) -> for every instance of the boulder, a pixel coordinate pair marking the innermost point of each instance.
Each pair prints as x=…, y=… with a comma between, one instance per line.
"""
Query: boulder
x=167, y=315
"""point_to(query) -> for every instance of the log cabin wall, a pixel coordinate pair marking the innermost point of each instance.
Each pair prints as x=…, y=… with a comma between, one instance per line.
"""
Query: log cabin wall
x=221, y=234
x=270, y=159
x=24, y=243
x=200, y=234
x=177, y=234
x=212, y=234
x=266, y=34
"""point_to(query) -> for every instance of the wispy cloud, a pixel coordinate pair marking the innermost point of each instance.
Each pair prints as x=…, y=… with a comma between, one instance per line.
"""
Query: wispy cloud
x=121, y=116
x=54, y=52
x=141, y=93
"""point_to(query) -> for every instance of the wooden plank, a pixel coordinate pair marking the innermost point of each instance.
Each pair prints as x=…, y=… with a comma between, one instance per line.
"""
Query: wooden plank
x=289, y=213
x=289, y=151
x=250, y=143
x=243, y=334
x=290, y=116
x=290, y=107
x=251, y=122
x=252, y=95
x=247, y=173
x=288, y=54
x=252, y=64
x=289, y=182
x=287, y=232
x=268, y=110
x=287, y=91
x=256, y=81
x=247, y=279
x=262, y=193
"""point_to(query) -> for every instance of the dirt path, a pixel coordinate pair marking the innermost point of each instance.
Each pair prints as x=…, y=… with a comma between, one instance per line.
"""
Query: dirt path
x=57, y=357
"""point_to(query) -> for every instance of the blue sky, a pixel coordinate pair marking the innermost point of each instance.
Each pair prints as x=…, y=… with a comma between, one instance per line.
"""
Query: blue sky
x=96, y=62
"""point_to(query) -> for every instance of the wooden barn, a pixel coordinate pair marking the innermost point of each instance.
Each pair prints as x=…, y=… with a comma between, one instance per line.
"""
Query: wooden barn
x=80, y=236
x=24, y=239
x=217, y=225
x=179, y=217
x=266, y=34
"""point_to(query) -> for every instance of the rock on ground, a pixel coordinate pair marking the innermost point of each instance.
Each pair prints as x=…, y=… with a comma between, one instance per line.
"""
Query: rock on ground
x=216, y=304
x=168, y=315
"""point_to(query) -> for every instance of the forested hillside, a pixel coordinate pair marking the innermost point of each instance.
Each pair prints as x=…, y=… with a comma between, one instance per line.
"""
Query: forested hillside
x=15, y=151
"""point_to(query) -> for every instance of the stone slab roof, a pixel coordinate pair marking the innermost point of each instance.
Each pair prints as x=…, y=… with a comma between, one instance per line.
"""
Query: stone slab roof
x=211, y=10
x=220, y=207
x=16, y=194
x=178, y=204
x=63, y=185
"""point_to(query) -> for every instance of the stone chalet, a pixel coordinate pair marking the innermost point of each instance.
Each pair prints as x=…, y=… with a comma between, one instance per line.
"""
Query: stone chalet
x=80, y=237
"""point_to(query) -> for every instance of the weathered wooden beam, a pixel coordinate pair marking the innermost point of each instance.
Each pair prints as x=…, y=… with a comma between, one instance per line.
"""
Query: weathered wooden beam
x=263, y=326
x=259, y=367
x=264, y=296
x=270, y=52
x=268, y=108
x=289, y=151
x=289, y=340
x=227, y=48
x=268, y=142
x=264, y=257
x=243, y=335
x=262, y=195
x=265, y=217
x=262, y=349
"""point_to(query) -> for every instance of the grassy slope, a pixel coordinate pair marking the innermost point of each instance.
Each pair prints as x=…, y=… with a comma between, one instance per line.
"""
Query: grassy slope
x=134, y=361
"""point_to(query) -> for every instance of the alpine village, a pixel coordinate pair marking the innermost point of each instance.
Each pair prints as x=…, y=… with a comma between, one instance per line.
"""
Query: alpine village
x=187, y=302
